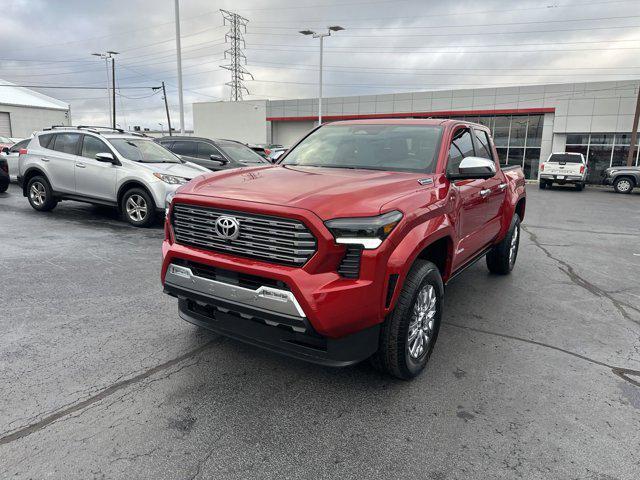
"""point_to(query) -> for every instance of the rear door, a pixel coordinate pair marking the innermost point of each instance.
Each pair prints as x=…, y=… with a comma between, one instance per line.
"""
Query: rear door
x=61, y=157
x=93, y=178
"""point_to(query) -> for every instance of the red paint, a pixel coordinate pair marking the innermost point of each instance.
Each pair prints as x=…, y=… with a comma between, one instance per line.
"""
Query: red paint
x=442, y=113
x=336, y=306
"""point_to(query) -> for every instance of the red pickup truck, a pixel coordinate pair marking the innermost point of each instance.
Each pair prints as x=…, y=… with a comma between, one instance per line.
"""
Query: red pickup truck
x=341, y=251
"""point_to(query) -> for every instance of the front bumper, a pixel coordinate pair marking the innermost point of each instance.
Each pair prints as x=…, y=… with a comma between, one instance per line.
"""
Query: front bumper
x=266, y=317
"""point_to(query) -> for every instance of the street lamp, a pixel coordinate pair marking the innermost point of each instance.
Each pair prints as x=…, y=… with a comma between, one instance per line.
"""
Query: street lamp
x=161, y=128
x=334, y=28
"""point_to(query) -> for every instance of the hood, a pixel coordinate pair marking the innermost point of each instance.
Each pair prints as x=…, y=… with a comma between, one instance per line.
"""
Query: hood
x=328, y=192
x=186, y=170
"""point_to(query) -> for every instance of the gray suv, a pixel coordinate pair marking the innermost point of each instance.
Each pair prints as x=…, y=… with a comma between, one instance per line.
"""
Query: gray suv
x=102, y=166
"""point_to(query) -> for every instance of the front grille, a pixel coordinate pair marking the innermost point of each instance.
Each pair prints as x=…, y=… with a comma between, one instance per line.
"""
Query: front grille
x=350, y=265
x=273, y=239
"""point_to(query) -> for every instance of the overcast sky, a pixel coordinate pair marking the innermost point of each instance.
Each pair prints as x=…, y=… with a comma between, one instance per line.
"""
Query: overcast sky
x=388, y=46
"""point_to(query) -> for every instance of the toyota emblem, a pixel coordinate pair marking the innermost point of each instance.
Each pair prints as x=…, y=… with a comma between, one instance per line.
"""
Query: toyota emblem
x=227, y=228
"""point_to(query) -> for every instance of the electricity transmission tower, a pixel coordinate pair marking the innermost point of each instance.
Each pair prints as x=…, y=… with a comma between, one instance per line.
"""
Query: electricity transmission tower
x=237, y=26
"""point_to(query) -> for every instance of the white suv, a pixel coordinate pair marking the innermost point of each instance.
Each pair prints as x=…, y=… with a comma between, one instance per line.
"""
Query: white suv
x=102, y=166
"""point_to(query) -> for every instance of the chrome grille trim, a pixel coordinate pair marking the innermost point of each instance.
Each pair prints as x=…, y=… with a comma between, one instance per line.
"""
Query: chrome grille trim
x=272, y=239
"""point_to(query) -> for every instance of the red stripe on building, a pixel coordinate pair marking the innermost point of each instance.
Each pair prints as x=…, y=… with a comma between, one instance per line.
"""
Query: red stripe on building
x=443, y=113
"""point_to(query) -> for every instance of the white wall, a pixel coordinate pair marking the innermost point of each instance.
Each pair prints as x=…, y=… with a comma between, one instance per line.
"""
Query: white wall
x=26, y=120
x=242, y=121
x=288, y=133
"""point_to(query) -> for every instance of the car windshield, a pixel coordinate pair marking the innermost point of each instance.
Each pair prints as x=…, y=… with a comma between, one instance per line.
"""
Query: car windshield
x=565, y=158
x=143, y=150
x=240, y=153
x=408, y=148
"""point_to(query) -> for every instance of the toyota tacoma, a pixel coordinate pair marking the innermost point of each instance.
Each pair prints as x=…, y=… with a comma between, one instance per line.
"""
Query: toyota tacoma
x=341, y=251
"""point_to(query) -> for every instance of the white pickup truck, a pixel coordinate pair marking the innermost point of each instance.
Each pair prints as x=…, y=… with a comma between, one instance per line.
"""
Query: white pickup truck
x=563, y=168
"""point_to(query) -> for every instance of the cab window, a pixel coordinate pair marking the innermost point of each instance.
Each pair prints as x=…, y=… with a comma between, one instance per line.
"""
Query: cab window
x=461, y=147
x=483, y=146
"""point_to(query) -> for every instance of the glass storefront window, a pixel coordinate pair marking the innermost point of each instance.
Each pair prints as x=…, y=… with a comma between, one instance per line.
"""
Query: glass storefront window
x=599, y=159
x=502, y=155
x=620, y=155
x=501, y=131
x=515, y=156
x=518, y=131
x=531, y=157
x=534, y=132
x=623, y=138
x=578, y=139
x=601, y=139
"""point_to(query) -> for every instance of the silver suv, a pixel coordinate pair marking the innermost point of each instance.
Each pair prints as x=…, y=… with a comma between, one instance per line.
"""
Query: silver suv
x=102, y=166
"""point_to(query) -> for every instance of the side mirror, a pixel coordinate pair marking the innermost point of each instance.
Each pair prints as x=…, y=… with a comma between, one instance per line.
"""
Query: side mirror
x=106, y=157
x=474, y=167
x=218, y=158
x=5, y=149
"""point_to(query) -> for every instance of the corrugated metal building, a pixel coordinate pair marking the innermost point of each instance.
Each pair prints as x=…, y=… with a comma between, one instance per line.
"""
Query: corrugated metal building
x=23, y=111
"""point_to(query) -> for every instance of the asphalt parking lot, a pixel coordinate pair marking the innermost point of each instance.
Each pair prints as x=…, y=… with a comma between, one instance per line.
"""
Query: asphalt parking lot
x=534, y=374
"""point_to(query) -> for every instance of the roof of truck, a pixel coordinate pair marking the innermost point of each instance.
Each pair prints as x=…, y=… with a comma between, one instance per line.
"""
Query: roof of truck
x=402, y=121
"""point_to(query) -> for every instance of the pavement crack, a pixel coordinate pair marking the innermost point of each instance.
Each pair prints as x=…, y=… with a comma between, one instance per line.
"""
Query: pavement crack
x=46, y=421
x=575, y=278
x=624, y=373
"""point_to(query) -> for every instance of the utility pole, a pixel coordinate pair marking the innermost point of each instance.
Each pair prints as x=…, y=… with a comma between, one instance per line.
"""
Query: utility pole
x=111, y=96
x=634, y=133
x=237, y=26
x=334, y=28
x=166, y=107
x=179, y=58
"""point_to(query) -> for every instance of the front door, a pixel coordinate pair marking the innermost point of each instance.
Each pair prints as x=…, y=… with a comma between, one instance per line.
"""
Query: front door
x=93, y=178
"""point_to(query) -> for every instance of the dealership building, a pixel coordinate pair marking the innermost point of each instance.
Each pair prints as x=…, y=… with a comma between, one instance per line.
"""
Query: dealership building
x=24, y=111
x=527, y=122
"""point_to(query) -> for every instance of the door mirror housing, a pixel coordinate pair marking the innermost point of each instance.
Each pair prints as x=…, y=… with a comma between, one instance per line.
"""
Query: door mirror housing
x=5, y=149
x=474, y=167
x=218, y=158
x=106, y=158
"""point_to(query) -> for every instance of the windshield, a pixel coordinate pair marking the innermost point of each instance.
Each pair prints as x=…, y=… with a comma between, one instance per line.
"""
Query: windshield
x=240, y=153
x=143, y=150
x=408, y=148
x=565, y=158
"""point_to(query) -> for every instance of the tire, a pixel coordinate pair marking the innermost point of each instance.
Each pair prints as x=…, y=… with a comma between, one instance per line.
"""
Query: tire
x=40, y=194
x=4, y=186
x=542, y=185
x=579, y=187
x=138, y=208
x=623, y=185
x=502, y=257
x=397, y=355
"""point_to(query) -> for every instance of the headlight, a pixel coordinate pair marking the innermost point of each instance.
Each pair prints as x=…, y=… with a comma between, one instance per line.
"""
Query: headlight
x=366, y=231
x=171, y=179
x=167, y=203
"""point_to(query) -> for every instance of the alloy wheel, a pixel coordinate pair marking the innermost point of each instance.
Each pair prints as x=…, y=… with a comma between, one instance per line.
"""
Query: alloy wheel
x=38, y=194
x=624, y=185
x=421, y=327
x=136, y=207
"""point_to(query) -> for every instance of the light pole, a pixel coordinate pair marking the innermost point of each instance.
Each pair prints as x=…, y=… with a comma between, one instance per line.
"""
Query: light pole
x=161, y=128
x=111, y=95
x=334, y=28
x=179, y=60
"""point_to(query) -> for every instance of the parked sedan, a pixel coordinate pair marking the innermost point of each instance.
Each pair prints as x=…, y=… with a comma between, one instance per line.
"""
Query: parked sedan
x=11, y=155
x=212, y=154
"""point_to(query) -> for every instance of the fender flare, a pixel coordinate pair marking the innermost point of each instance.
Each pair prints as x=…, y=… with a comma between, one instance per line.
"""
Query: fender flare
x=29, y=173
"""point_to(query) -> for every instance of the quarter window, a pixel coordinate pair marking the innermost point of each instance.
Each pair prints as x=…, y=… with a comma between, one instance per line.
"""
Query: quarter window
x=461, y=147
x=66, y=143
x=46, y=140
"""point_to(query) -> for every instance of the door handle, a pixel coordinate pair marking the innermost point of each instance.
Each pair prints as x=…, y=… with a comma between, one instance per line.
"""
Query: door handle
x=80, y=165
x=44, y=159
x=485, y=192
x=502, y=186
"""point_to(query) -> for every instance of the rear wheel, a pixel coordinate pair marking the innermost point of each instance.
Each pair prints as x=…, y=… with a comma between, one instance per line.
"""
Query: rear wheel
x=138, y=208
x=579, y=186
x=409, y=333
x=40, y=194
x=502, y=257
x=623, y=185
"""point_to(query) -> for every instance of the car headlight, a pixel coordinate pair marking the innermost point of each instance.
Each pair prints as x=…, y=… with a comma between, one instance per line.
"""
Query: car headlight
x=366, y=231
x=171, y=179
x=167, y=203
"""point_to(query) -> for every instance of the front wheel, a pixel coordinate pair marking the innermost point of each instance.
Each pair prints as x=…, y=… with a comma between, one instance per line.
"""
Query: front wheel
x=409, y=333
x=138, y=208
x=623, y=185
x=502, y=257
